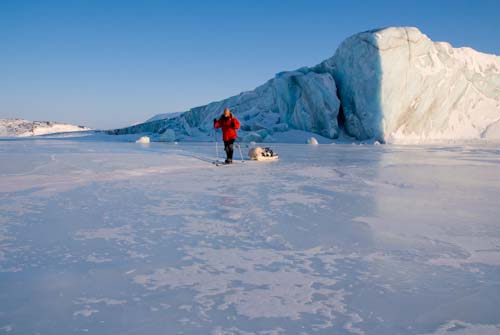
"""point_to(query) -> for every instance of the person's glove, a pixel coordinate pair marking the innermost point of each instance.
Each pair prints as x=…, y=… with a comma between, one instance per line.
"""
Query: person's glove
x=233, y=125
x=215, y=120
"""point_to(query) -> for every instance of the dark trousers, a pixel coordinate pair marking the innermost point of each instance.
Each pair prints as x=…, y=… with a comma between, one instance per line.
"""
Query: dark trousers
x=228, y=148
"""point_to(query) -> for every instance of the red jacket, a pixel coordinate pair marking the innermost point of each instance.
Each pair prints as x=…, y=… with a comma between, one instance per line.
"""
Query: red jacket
x=229, y=126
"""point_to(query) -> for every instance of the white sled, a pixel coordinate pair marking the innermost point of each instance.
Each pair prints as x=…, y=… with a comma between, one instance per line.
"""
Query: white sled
x=262, y=154
x=266, y=158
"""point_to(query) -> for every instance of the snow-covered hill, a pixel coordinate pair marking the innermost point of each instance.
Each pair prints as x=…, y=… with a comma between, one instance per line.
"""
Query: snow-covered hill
x=22, y=128
x=391, y=84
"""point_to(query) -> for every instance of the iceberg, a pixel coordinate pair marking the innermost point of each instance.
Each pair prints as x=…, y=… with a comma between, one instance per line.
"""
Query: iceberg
x=312, y=141
x=167, y=136
x=386, y=85
x=301, y=100
x=143, y=140
x=396, y=84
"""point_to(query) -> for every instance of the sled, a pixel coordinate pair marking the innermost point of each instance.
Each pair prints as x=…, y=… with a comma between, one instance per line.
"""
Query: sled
x=265, y=158
x=262, y=154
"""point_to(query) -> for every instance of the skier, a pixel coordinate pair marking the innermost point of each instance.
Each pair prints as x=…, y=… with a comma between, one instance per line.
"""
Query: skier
x=229, y=124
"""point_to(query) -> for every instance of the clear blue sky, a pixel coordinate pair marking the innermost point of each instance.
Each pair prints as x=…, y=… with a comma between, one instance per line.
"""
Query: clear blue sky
x=111, y=63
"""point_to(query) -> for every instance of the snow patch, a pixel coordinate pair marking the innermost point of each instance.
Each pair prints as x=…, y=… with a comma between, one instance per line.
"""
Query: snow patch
x=120, y=234
x=457, y=327
x=284, y=293
x=96, y=259
x=7, y=328
x=86, y=312
x=105, y=301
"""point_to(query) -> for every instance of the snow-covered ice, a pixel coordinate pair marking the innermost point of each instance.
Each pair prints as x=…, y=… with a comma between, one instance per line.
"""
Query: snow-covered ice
x=117, y=238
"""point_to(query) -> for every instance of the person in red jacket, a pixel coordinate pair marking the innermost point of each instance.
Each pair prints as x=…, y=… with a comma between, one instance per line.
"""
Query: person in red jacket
x=229, y=124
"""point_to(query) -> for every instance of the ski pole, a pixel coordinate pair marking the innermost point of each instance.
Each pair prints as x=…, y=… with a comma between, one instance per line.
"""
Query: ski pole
x=216, y=146
x=241, y=155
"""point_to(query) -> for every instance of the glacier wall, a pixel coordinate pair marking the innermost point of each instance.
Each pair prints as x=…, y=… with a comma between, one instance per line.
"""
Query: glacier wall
x=391, y=84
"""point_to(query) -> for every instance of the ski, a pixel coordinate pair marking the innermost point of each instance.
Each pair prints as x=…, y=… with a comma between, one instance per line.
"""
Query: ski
x=219, y=163
x=222, y=163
